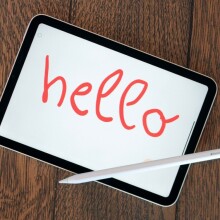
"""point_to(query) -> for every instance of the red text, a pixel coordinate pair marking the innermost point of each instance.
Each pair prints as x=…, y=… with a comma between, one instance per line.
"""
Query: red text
x=86, y=87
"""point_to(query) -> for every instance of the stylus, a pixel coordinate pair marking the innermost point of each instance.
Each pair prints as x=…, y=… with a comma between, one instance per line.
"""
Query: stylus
x=142, y=167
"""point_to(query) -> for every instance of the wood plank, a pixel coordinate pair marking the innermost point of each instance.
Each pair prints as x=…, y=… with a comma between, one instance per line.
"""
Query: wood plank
x=158, y=27
x=200, y=198
x=26, y=185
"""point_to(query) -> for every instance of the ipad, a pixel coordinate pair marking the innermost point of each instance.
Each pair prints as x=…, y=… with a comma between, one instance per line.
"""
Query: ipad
x=82, y=102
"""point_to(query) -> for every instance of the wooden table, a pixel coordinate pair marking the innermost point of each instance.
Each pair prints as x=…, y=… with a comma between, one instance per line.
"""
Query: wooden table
x=185, y=32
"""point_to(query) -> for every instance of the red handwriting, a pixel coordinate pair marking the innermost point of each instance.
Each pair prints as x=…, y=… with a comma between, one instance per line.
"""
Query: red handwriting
x=48, y=85
x=77, y=91
x=86, y=87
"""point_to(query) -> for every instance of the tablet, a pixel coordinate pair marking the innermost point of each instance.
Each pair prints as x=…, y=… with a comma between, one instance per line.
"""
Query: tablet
x=83, y=102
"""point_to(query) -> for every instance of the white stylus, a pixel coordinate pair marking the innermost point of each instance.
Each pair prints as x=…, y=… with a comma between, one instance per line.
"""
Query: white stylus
x=142, y=167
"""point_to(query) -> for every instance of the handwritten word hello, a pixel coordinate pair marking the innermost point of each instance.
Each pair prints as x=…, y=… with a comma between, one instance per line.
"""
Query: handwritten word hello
x=86, y=87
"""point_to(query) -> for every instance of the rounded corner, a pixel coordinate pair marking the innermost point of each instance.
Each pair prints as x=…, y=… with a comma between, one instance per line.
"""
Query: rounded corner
x=171, y=202
x=38, y=19
x=214, y=85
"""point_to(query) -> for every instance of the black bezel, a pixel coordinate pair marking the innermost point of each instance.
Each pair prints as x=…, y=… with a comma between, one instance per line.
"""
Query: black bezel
x=212, y=88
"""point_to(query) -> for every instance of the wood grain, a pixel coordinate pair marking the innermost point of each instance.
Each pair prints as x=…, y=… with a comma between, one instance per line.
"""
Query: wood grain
x=185, y=32
x=27, y=189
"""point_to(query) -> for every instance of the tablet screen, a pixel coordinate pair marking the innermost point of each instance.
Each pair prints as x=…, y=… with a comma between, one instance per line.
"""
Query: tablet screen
x=99, y=108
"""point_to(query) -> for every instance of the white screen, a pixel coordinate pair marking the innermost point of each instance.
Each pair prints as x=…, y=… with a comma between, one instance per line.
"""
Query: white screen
x=87, y=140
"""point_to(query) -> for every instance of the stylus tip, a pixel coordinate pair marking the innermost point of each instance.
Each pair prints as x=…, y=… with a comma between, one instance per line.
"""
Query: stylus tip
x=63, y=181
